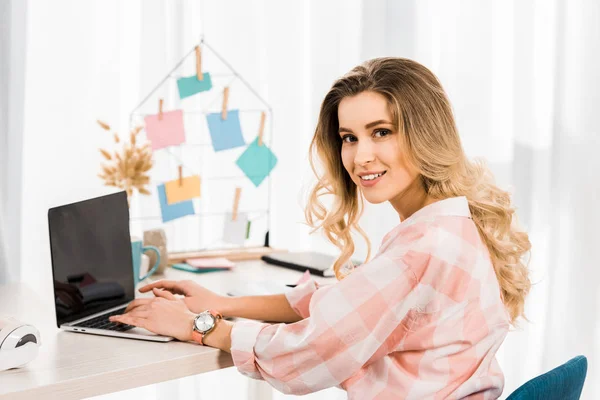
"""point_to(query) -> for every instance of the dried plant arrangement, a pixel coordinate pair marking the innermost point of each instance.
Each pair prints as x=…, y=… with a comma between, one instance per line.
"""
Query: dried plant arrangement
x=128, y=167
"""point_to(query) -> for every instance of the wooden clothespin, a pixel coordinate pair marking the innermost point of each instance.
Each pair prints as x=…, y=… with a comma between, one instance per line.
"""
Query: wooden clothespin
x=199, y=74
x=236, y=203
x=225, y=99
x=160, y=109
x=180, y=176
x=263, y=117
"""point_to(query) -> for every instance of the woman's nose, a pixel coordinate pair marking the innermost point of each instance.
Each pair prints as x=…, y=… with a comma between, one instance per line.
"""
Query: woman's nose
x=364, y=154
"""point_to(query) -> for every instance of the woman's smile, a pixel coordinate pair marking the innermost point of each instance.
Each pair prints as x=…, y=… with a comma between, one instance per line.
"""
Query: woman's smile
x=370, y=179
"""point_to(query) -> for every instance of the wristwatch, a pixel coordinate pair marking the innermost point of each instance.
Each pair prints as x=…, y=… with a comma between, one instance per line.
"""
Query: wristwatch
x=204, y=323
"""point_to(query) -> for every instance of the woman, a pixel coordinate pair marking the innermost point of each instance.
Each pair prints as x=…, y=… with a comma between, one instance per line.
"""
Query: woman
x=425, y=317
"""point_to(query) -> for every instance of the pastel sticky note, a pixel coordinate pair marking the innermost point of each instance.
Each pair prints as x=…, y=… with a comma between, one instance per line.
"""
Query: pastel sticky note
x=189, y=268
x=257, y=162
x=225, y=134
x=210, y=262
x=235, y=231
x=165, y=132
x=190, y=85
x=173, y=211
x=188, y=189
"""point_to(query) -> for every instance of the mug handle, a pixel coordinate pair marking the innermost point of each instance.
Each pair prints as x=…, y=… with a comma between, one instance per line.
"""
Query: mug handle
x=155, y=267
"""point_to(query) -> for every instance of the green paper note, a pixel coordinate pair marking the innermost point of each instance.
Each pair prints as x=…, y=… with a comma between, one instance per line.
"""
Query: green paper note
x=257, y=162
x=189, y=268
x=190, y=85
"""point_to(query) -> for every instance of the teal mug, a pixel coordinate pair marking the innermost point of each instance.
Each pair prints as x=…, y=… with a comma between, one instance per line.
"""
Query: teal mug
x=137, y=249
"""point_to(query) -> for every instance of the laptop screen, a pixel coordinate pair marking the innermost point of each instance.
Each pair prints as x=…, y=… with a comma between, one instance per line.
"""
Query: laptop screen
x=92, y=264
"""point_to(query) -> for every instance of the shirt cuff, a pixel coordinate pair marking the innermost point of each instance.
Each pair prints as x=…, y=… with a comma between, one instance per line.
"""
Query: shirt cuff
x=243, y=338
x=299, y=297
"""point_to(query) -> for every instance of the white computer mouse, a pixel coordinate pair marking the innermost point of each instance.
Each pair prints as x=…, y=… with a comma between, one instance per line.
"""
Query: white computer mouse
x=19, y=343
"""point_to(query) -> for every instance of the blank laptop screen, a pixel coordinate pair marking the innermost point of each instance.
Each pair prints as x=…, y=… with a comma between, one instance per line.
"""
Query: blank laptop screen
x=91, y=256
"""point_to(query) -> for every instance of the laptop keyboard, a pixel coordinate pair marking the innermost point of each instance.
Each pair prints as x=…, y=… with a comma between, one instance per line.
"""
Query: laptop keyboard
x=102, y=322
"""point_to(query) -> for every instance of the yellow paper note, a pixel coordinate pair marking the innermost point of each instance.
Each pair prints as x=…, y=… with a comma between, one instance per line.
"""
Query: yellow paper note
x=187, y=190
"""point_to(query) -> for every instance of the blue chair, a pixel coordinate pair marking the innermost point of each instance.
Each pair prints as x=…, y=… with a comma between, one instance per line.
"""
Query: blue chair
x=562, y=383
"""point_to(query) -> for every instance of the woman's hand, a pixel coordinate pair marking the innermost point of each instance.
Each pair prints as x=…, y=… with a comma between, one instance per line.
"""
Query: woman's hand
x=163, y=315
x=197, y=298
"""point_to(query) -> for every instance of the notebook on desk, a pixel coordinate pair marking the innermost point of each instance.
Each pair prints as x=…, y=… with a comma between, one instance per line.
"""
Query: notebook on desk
x=317, y=263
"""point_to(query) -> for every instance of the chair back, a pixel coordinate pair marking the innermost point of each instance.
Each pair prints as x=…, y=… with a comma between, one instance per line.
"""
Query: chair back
x=562, y=383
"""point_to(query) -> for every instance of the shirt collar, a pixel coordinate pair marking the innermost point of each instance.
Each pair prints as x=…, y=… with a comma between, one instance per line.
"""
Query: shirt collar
x=453, y=206
x=450, y=207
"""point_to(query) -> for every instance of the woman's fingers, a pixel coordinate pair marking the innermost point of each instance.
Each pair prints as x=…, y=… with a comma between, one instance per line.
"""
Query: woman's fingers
x=164, y=294
x=174, y=287
x=139, y=312
x=136, y=303
x=129, y=320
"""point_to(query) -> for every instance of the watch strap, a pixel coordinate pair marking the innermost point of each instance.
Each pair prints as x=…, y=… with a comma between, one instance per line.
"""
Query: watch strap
x=197, y=337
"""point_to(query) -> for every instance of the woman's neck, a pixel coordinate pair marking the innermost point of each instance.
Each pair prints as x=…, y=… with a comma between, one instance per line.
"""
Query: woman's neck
x=411, y=200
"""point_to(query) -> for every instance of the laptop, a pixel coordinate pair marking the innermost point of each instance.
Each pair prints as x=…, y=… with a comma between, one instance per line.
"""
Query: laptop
x=92, y=267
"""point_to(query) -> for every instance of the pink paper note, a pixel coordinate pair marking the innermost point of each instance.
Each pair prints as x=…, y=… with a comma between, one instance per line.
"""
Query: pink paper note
x=305, y=278
x=216, y=262
x=166, y=132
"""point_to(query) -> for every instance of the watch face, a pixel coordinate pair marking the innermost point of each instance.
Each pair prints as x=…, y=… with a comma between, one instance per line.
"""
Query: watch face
x=204, y=322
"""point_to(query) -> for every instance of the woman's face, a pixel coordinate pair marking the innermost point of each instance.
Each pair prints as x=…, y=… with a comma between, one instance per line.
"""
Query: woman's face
x=371, y=149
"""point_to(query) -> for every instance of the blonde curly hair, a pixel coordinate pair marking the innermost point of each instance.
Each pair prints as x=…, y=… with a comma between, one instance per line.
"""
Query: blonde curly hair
x=422, y=111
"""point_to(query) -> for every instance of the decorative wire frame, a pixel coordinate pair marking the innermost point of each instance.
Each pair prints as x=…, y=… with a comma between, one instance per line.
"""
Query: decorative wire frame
x=269, y=142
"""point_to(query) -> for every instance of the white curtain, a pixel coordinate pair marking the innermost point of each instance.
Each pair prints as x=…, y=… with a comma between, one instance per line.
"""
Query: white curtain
x=524, y=78
x=12, y=89
x=4, y=57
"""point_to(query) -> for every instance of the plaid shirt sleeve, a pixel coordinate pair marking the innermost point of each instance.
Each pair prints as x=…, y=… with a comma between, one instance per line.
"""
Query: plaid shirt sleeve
x=349, y=324
x=299, y=297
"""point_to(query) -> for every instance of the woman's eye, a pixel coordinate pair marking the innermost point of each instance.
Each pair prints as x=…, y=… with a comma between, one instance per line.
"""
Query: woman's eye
x=382, y=132
x=348, y=138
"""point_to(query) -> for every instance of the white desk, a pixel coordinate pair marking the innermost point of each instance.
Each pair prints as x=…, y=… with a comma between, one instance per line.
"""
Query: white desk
x=73, y=365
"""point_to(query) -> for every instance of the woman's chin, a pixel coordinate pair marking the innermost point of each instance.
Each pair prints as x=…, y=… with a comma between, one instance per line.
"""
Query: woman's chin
x=375, y=198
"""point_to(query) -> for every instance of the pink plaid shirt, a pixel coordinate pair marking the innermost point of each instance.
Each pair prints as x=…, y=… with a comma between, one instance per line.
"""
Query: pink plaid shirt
x=423, y=319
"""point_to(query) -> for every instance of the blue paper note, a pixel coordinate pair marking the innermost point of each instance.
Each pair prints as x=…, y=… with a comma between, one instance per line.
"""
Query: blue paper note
x=189, y=86
x=257, y=162
x=225, y=134
x=173, y=211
